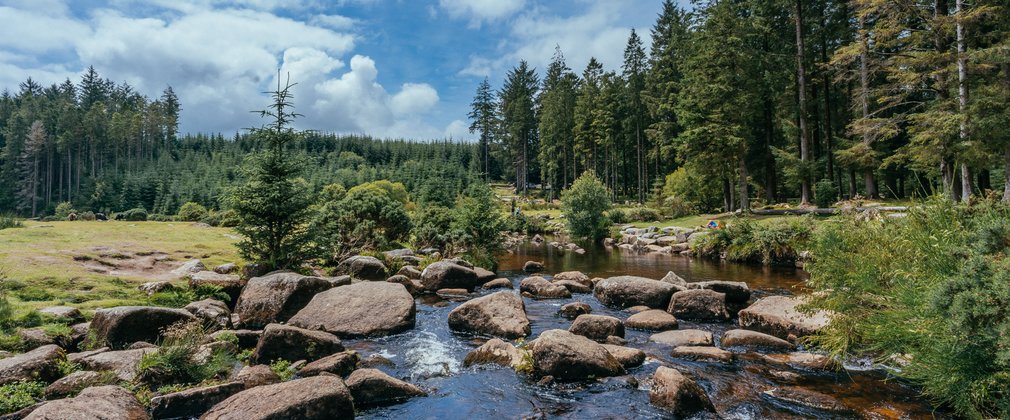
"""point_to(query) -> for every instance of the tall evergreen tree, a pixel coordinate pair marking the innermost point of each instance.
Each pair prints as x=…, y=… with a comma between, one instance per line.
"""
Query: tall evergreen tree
x=637, y=115
x=557, y=123
x=517, y=103
x=483, y=119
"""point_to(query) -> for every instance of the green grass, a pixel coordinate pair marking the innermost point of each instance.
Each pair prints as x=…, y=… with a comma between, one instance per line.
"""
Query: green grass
x=54, y=263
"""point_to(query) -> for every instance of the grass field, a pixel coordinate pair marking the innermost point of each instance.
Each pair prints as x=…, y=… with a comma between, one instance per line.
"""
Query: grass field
x=100, y=264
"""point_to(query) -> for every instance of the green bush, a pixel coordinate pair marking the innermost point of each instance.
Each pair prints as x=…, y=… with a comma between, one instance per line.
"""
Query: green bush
x=643, y=214
x=225, y=218
x=478, y=218
x=584, y=204
x=617, y=217
x=368, y=216
x=525, y=224
x=64, y=209
x=928, y=292
x=432, y=227
x=778, y=242
x=825, y=193
x=88, y=216
x=160, y=218
x=174, y=362
x=18, y=395
x=691, y=190
x=192, y=212
x=135, y=215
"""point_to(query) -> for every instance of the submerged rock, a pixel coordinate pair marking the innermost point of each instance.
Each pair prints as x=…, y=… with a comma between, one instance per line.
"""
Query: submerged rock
x=540, y=288
x=597, y=327
x=779, y=316
x=316, y=398
x=501, y=283
x=494, y=351
x=570, y=357
x=276, y=297
x=533, y=267
x=500, y=314
x=678, y=393
x=702, y=352
x=652, y=320
x=625, y=291
x=574, y=309
x=754, y=340
x=807, y=399
x=576, y=276
x=683, y=338
x=371, y=387
x=366, y=309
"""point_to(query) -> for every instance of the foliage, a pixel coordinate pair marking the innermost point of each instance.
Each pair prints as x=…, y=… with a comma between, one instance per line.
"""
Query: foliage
x=584, y=205
x=18, y=395
x=685, y=191
x=477, y=217
x=525, y=224
x=616, y=216
x=9, y=220
x=176, y=361
x=825, y=193
x=742, y=240
x=283, y=369
x=432, y=227
x=64, y=210
x=643, y=214
x=135, y=215
x=192, y=212
x=368, y=216
x=177, y=298
x=928, y=291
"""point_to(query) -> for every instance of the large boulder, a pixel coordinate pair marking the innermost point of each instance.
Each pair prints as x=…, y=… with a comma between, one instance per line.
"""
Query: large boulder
x=678, y=338
x=500, y=314
x=123, y=363
x=625, y=291
x=494, y=351
x=41, y=363
x=779, y=316
x=407, y=283
x=597, y=327
x=540, y=288
x=754, y=340
x=574, y=286
x=229, y=283
x=124, y=325
x=316, y=398
x=737, y=292
x=214, y=313
x=410, y=271
x=293, y=343
x=366, y=309
x=276, y=297
x=699, y=305
x=96, y=403
x=364, y=267
x=341, y=364
x=675, y=279
x=570, y=357
x=448, y=275
x=652, y=320
x=677, y=393
x=65, y=313
x=371, y=387
x=258, y=375
x=484, y=275
x=192, y=402
x=73, y=383
x=629, y=357
x=576, y=276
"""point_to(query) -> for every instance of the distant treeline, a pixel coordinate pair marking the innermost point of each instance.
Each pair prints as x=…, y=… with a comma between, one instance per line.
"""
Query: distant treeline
x=104, y=147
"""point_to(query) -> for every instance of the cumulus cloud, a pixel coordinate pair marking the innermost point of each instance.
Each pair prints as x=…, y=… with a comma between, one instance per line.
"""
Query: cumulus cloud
x=458, y=130
x=478, y=11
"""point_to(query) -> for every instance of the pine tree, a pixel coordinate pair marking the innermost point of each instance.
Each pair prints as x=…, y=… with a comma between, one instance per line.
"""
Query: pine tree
x=662, y=82
x=483, y=119
x=586, y=105
x=636, y=118
x=557, y=123
x=517, y=103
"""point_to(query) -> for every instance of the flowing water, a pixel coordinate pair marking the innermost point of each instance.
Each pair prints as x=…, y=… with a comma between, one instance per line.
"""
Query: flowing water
x=431, y=356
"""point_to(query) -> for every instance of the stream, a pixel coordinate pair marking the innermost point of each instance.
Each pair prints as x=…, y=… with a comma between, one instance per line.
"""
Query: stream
x=431, y=356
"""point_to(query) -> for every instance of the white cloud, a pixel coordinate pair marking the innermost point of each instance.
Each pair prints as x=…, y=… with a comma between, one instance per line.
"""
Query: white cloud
x=337, y=22
x=478, y=11
x=414, y=98
x=38, y=30
x=458, y=130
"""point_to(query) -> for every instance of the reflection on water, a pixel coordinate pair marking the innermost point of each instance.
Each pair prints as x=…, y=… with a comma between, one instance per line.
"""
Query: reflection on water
x=431, y=356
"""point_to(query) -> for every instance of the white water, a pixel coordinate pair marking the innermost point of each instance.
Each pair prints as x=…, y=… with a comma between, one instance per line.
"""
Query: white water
x=427, y=356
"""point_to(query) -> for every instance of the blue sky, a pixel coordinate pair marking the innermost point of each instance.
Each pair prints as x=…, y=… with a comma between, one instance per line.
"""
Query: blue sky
x=389, y=68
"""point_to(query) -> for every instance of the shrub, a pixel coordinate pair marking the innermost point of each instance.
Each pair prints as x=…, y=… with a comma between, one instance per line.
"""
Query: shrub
x=778, y=242
x=525, y=224
x=135, y=215
x=643, y=214
x=678, y=207
x=18, y=395
x=583, y=205
x=478, y=219
x=226, y=218
x=192, y=212
x=63, y=210
x=692, y=190
x=432, y=227
x=825, y=193
x=617, y=216
x=175, y=360
x=367, y=217
x=283, y=369
x=88, y=215
x=160, y=217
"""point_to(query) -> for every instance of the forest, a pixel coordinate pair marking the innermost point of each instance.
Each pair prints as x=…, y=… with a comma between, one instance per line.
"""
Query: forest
x=756, y=102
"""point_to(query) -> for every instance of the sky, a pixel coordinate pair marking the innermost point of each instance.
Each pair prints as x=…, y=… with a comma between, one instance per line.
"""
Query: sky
x=387, y=68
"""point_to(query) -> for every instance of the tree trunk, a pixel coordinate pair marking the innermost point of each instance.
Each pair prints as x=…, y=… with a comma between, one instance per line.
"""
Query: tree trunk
x=864, y=97
x=744, y=195
x=852, y=184
x=947, y=177
x=801, y=90
x=1006, y=175
x=727, y=200
x=962, y=98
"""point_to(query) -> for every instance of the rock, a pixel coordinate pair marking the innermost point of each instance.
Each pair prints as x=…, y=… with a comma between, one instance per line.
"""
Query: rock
x=338, y=281
x=102, y=402
x=454, y=293
x=316, y=398
x=123, y=363
x=570, y=357
x=500, y=283
x=293, y=343
x=576, y=276
x=493, y=351
x=39, y=364
x=802, y=360
x=246, y=338
x=231, y=284
x=141, y=345
x=410, y=271
x=121, y=326
x=807, y=399
x=533, y=267
x=574, y=309
x=257, y=375
x=253, y=270
x=364, y=267
x=77, y=357
x=70, y=314
x=543, y=289
x=36, y=337
x=153, y=287
x=276, y=297
x=448, y=275
x=737, y=292
x=214, y=313
x=778, y=316
x=484, y=275
x=371, y=387
x=652, y=320
x=500, y=314
x=226, y=268
x=628, y=356
x=573, y=286
x=340, y=364
x=625, y=291
x=191, y=266
x=677, y=393
x=192, y=402
x=71, y=384
x=398, y=253
x=754, y=340
x=700, y=305
x=375, y=360
x=638, y=308
x=678, y=338
x=597, y=327
x=407, y=284
x=364, y=309
x=674, y=279
x=460, y=261
x=702, y=352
